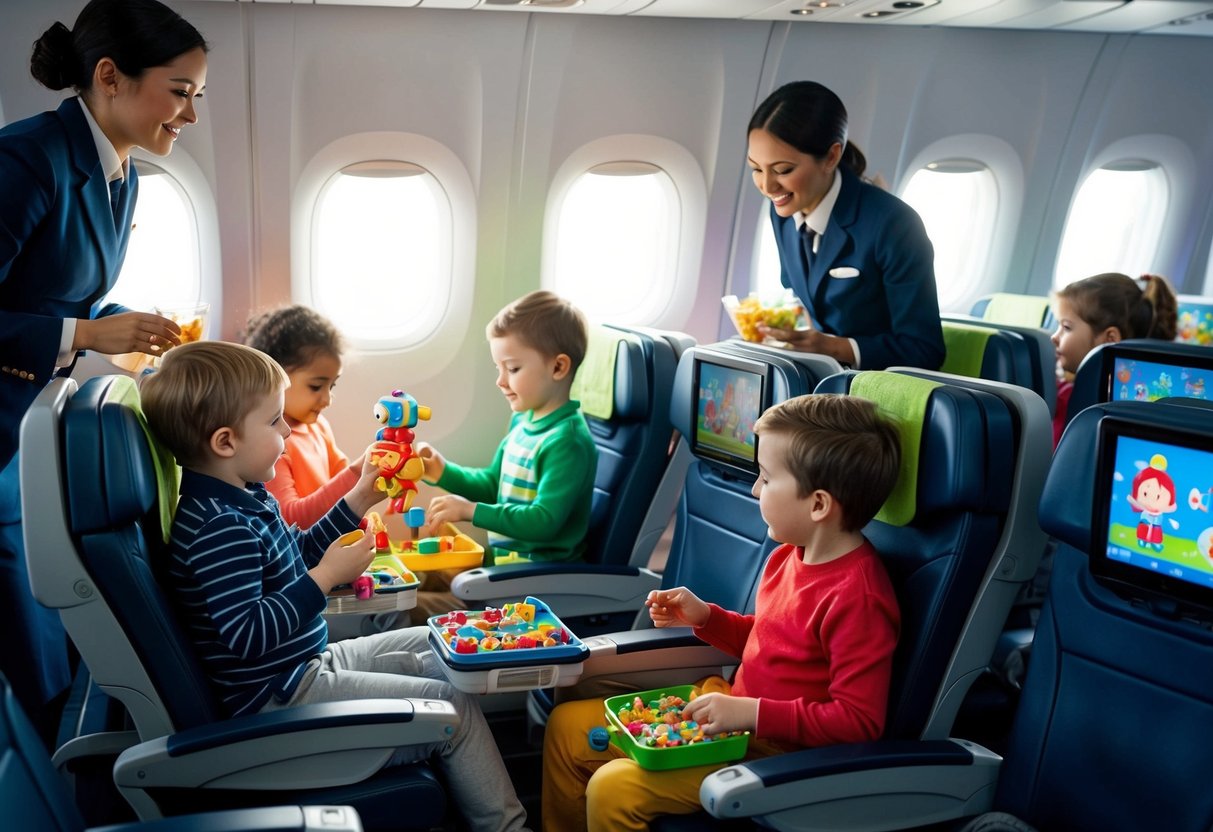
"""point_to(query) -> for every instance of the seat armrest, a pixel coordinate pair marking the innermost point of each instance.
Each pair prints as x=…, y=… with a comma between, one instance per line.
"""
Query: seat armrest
x=651, y=658
x=311, y=746
x=570, y=589
x=861, y=786
x=272, y=819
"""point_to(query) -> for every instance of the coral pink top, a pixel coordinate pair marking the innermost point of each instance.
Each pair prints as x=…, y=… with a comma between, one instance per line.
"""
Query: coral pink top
x=311, y=475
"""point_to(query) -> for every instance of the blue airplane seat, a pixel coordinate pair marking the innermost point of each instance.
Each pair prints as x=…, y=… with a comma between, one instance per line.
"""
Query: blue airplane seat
x=1119, y=695
x=1141, y=369
x=957, y=564
x=92, y=492
x=1025, y=353
x=635, y=488
x=34, y=797
x=1015, y=309
x=720, y=541
x=999, y=352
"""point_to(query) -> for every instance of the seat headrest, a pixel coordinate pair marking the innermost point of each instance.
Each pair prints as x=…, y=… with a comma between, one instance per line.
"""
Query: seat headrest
x=956, y=465
x=611, y=382
x=106, y=442
x=1067, y=501
x=965, y=348
x=1016, y=310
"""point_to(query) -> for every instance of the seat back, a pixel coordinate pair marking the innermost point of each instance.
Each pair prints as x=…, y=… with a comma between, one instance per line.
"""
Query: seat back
x=1141, y=369
x=1111, y=726
x=32, y=795
x=720, y=540
x=626, y=406
x=1015, y=310
x=1195, y=320
x=959, y=560
x=98, y=537
x=1022, y=355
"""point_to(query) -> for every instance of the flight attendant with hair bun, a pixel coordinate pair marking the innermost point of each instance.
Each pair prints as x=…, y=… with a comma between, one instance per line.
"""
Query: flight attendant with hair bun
x=66, y=204
x=857, y=257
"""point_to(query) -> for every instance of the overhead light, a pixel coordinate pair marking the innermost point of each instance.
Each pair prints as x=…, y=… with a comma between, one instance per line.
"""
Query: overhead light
x=883, y=13
x=908, y=4
x=801, y=11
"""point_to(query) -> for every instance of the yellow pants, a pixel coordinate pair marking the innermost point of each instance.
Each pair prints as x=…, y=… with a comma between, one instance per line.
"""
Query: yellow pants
x=606, y=791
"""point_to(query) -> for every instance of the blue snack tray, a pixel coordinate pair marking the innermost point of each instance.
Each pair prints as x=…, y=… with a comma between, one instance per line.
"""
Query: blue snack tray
x=572, y=652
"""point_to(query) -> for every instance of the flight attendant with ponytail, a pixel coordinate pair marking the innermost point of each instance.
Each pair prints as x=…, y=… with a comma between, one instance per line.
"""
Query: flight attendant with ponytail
x=66, y=203
x=857, y=257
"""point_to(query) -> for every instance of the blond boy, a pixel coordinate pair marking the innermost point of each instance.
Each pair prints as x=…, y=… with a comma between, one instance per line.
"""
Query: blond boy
x=251, y=590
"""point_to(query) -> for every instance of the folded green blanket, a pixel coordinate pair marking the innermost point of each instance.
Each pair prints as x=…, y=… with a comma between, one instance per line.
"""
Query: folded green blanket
x=168, y=474
x=594, y=384
x=965, y=347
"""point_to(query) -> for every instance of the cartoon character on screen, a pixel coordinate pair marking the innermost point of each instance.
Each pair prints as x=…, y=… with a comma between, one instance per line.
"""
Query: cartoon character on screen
x=1153, y=494
x=1124, y=374
x=1194, y=386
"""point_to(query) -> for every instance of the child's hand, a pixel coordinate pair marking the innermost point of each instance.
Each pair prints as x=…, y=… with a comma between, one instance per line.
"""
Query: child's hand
x=447, y=509
x=672, y=607
x=718, y=713
x=342, y=564
x=435, y=462
x=364, y=495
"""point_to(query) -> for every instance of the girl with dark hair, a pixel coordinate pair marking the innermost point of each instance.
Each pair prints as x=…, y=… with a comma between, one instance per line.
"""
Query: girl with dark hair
x=65, y=217
x=1105, y=309
x=312, y=474
x=857, y=257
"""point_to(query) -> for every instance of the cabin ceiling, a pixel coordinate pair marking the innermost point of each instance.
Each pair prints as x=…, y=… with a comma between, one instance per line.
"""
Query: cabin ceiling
x=1169, y=17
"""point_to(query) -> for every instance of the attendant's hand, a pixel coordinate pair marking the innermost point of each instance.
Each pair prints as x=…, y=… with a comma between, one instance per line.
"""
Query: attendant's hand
x=435, y=462
x=678, y=606
x=718, y=713
x=364, y=494
x=126, y=332
x=447, y=509
x=342, y=564
x=813, y=340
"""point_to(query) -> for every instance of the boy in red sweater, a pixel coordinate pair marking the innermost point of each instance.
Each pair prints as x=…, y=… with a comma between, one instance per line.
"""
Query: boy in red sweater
x=819, y=646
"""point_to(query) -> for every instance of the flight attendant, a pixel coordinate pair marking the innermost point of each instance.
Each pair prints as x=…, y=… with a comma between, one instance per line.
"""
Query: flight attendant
x=856, y=256
x=66, y=203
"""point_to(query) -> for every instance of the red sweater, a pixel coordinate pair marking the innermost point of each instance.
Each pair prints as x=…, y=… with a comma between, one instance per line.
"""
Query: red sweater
x=311, y=475
x=818, y=652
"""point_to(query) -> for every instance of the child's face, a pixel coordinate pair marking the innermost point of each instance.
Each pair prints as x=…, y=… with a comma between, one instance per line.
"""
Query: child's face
x=783, y=509
x=261, y=439
x=1074, y=337
x=311, y=389
x=527, y=378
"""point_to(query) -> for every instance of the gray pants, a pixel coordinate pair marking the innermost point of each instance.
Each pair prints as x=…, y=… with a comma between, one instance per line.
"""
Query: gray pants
x=400, y=664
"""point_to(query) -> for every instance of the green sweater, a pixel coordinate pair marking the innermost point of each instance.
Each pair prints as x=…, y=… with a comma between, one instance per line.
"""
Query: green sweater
x=534, y=498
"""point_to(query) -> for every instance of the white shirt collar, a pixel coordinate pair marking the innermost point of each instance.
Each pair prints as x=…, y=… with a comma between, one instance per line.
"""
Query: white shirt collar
x=819, y=218
x=114, y=167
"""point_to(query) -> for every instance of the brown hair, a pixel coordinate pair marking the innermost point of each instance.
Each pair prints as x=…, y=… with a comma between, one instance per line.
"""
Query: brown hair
x=546, y=322
x=841, y=445
x=203, y=386
x=1113, y=299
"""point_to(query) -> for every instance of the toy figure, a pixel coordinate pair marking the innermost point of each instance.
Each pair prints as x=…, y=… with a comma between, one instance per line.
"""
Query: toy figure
x=1153, y=494
x=399, y=469
x=398, y=413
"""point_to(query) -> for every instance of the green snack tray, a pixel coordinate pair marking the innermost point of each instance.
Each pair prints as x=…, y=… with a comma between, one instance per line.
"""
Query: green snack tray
x=680, y=756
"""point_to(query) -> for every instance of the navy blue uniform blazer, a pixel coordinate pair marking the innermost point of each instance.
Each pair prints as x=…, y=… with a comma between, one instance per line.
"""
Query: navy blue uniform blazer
x=61, y=249
x=873, y=277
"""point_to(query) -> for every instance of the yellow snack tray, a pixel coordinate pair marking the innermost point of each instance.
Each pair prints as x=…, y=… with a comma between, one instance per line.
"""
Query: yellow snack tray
x=465, y=553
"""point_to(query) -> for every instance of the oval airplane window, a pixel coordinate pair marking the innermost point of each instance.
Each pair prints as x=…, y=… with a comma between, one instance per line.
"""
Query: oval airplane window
x=382, y=230
x=617, y=242
x=164, y=230
x=958, y=202
x=1115, y=222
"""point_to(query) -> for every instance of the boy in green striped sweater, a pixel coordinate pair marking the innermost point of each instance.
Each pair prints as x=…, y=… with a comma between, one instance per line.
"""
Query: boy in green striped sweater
x=534, y=497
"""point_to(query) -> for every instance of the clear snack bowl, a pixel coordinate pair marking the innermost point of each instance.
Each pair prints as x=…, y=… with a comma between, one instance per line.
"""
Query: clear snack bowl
x=785, y=312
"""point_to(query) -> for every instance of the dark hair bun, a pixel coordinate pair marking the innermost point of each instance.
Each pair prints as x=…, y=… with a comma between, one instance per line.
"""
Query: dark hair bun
x=54, y=63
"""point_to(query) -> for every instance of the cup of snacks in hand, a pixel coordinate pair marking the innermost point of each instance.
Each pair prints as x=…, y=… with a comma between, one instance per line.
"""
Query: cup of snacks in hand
x=784, y=312
x=191, y=319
